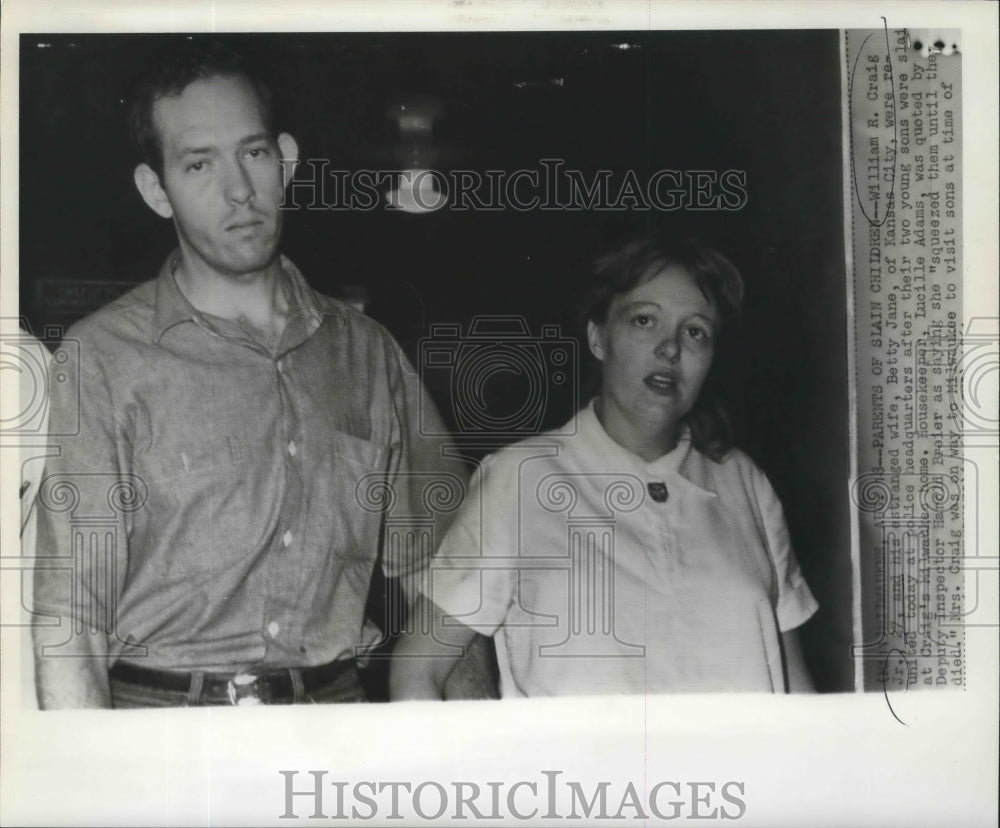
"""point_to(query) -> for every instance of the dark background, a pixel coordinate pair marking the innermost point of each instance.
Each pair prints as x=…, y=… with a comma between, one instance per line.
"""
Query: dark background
x=764, y=102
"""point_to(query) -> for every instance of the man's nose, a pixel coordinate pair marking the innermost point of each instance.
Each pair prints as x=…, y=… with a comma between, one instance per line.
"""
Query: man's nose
x=238, y=184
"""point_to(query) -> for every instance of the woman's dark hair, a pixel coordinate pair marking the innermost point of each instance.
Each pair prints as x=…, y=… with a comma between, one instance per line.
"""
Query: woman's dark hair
x=720, y=282
x=170, y=73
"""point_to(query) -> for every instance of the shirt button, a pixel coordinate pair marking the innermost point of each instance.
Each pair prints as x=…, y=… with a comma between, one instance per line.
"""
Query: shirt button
x=273, y=629
x=287, y=539
x=292, y=448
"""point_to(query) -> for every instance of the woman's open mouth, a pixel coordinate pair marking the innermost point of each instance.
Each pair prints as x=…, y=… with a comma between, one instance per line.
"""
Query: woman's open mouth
x=662, y=382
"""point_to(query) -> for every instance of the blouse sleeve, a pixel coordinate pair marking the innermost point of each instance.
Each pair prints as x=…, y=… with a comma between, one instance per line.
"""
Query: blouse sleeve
x=471, y=576
x=795, y=604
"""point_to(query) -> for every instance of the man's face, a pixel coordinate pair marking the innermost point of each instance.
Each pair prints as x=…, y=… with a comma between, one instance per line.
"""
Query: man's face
x=222, y=179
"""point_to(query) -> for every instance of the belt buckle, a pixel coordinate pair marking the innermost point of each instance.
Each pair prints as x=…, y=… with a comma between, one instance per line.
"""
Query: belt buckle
x=246, y=689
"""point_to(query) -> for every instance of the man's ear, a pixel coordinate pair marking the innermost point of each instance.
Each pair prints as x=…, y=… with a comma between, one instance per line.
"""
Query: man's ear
x=148, y=184
x=595, y=339
x=289, y=157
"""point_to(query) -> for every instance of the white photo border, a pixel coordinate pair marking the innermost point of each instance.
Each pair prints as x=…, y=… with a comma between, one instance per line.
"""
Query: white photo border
x=800, y=761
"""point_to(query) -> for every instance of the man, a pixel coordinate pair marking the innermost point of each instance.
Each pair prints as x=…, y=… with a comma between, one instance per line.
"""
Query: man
x=27, y=422
x=244, y=445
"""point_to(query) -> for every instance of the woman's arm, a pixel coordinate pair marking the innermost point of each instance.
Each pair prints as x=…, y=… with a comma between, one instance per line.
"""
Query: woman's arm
x=422, y=660
x=796, y=603
x=796, y=672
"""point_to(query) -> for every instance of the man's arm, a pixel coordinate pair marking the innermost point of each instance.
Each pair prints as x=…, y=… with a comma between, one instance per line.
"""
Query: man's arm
x=796, y=672
x=475, y=675
x=77, y=676
x=424, y=659
x=74, y=598
x=453, y=662
x=427, y=482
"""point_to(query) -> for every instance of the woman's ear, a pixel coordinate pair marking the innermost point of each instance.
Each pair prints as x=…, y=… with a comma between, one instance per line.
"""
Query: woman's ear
x=595, y=339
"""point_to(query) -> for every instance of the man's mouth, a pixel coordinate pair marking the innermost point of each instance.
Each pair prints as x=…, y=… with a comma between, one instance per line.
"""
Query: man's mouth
x=244, y=225
x=663, y=383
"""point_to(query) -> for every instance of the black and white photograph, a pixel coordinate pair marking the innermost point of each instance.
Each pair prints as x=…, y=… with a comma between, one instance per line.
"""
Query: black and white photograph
x=534, y=414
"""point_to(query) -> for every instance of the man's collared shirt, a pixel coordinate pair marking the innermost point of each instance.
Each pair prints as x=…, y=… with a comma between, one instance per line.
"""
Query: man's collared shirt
x=221, y=506
x=602, y=573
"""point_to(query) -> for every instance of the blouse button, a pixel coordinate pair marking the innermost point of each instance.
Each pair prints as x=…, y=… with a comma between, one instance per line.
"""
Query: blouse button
x=658, y=491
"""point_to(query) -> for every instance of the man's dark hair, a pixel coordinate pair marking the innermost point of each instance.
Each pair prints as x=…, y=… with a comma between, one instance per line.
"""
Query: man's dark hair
x=641, y=259
x=170, y=74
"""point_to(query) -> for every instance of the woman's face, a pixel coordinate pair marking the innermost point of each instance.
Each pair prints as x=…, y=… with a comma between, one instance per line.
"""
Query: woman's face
x=656, y=348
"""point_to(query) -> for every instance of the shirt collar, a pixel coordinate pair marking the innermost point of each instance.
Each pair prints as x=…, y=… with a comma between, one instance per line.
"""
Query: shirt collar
x=172, y=306
x=683, y=461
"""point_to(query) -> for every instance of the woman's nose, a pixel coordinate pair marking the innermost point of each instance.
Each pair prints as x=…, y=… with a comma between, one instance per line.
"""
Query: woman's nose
x=667, y=348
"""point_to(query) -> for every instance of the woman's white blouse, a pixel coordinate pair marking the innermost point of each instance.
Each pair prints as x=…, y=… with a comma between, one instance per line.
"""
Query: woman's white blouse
x=591, y=586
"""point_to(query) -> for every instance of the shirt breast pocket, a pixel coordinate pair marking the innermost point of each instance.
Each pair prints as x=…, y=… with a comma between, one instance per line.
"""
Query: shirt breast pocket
x=198, y=508
x=359, y=453
x=359, y=493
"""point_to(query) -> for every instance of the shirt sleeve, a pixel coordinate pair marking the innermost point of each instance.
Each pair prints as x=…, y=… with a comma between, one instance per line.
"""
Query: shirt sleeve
x=33, y=395
x=82, y=507
x=472, y=577
x=427, y=480
x=795, y=604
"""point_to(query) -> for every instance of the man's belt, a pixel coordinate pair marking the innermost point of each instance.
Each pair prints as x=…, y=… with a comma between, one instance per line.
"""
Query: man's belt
x=269, y=687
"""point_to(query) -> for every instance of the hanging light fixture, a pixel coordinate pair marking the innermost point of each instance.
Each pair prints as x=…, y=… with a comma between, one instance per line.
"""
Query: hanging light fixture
x=416, y=189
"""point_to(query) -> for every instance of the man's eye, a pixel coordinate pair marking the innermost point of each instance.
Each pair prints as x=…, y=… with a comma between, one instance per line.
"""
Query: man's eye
x=257, y=152
x=197, y=166
x=642, y=320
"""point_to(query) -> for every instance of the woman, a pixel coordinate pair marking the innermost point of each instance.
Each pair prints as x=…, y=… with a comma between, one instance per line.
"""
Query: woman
x=637, y=552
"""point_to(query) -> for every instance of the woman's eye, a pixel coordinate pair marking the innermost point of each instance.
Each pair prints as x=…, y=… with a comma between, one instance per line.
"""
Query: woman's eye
x=698, y=334
x=197, y=166
x=642, y=320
